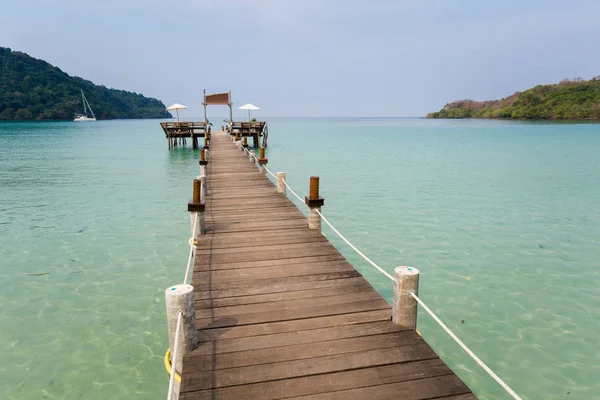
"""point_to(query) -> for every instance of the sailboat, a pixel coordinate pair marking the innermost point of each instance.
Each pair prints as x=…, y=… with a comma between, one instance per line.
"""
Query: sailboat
x=83, y=117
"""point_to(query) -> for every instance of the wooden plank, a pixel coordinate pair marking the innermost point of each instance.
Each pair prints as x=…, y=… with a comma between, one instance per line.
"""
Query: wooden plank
x=256, y=226
x=231, y=275
x=428, y=388
x=274, y=285
x=283, y=287
x=297, y=337
x=214, y=360
x=298, y=313
x=266, y=263
x=352, y=287
x=277, y=306
x=215, y=240
x=313, y=366
x=290, y=248
x=275, y=216
x=273, y=328
x=291, y=251
x=324, y=383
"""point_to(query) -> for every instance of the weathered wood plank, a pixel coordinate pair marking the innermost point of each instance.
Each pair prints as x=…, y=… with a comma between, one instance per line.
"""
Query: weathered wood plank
x=326, y=383
x=307, y=335
x=214, y=360
x=273, y=328
x=313, y=366
x=266, y=298
x=231, y=275
x=273, y=285
x=289, y=248
x=298, y=313
x=280, y=288
x=277, y=306
x=267, y=263
x=429, y=388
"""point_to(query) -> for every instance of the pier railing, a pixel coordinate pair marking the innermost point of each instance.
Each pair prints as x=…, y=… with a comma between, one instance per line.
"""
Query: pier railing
x=180, y=301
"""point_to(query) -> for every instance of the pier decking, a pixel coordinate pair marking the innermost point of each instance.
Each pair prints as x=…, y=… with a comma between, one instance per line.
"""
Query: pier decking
x=280, y=312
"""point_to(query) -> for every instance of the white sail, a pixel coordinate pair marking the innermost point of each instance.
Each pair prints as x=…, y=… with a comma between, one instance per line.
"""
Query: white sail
x=83, y=117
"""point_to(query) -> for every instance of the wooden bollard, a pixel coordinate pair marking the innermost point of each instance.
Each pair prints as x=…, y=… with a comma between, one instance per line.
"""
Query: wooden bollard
x=314, y=203
x=245, y=142
x=206, y=147
x=262, y=160
x=281, y=182
x=181, y=298
x=404, y=309
x=196, y=210
x=197, y=189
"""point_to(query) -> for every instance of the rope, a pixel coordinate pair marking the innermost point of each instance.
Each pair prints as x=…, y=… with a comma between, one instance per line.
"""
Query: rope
x=175, y=348
x=466, y=349
x=367, y=259
x=292, y=190
x=191, y=256
x=269, y=172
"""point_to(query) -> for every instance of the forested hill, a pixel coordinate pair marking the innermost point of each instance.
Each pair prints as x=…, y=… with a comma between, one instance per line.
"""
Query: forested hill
x=568, y=100
x=32, y=89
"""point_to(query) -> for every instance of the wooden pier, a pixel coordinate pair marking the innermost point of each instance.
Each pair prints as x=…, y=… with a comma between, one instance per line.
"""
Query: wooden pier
x=176, y=132
x=281, y=314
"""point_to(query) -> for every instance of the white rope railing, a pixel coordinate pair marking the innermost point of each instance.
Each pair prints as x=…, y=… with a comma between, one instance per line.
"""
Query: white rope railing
x=191, y=255
x=431, y=313
x=269, y=172
x=360, y=253
x=292, y=190
x=465, y=348
x=174, y=356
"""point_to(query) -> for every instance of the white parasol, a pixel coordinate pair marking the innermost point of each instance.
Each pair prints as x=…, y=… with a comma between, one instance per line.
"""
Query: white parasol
x=248, y=107
x=176, y=107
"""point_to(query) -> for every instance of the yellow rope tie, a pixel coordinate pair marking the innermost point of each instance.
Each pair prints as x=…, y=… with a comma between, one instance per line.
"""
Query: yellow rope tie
x=168, y=365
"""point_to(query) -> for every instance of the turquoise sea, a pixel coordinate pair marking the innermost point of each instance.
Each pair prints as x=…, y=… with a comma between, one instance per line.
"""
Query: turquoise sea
x=501, y=218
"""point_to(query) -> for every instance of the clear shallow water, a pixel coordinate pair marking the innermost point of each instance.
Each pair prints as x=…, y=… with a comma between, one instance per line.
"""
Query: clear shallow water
x=502, y=219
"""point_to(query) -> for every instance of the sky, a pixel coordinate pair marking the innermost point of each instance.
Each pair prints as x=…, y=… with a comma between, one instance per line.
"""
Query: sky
x=312, y=58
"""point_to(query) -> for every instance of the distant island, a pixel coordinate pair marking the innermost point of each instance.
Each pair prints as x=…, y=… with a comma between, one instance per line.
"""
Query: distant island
x=571, y=99
x=32, y=89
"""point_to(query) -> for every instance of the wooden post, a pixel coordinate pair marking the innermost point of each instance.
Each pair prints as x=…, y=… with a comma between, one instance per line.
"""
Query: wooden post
x=181, y=298
x=197, y=190
x=404, y=309
x=245, y=142
x=314, y=203
x=196, y=208
x=280, y=183
x=262, y=161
